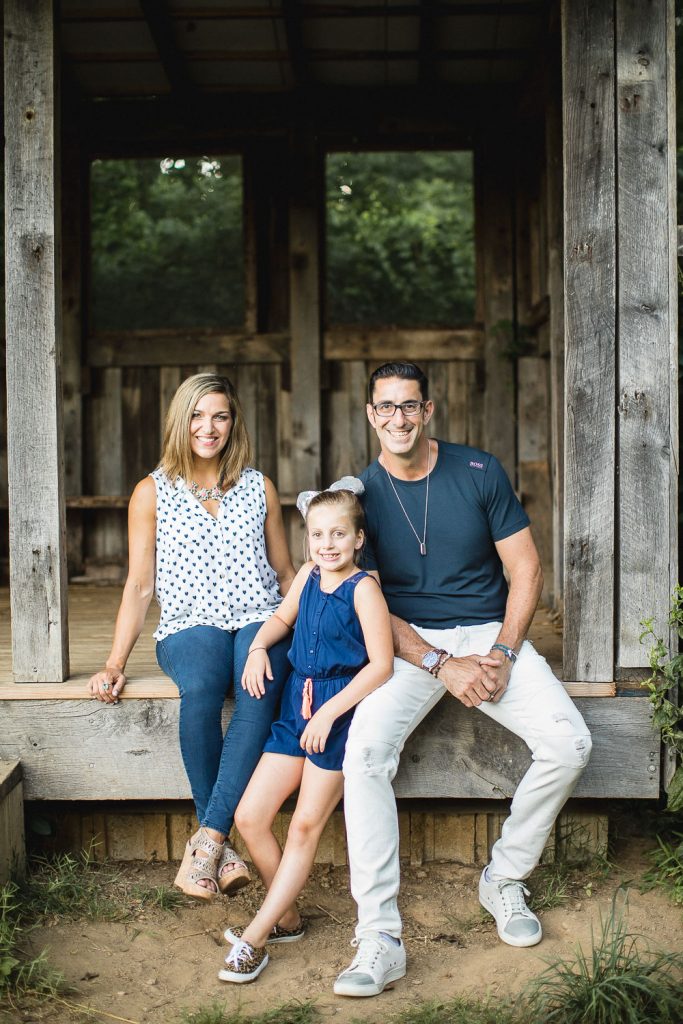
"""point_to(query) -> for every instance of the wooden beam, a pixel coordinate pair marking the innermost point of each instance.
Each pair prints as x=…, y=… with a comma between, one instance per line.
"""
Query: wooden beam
x=38, y=571
x=493, y=8
x=647, y=324
x=162, y=31
x=495, y=244
x=318, y=55
x=417, y=343
x=590, y=305
x=68, y=746
x=182, y=346
x=291, y=12
x=426, y=68
x=305, y=218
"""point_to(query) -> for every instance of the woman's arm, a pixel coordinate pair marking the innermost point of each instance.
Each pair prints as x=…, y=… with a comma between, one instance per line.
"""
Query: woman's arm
x=276, y=540
x=274, y=629
x=373, y=614
x=137, y=593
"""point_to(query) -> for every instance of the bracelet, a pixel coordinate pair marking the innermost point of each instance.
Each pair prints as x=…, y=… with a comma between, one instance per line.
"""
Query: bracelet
x=507, y=651
x=445, y=656
x=260, y=648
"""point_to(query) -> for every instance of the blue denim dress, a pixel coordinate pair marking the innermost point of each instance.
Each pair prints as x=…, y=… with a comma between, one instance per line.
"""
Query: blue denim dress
x=328, y=650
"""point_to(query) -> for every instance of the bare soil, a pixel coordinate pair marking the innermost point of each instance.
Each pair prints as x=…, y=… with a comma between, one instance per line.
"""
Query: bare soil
x=152, y=968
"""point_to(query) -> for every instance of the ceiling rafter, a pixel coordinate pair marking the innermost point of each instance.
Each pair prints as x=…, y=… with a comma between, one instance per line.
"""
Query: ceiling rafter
x=527, y=8
x=160, y=24
x=291, y=11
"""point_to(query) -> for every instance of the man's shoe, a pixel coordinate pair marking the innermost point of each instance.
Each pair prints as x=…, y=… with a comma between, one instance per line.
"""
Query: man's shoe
x=377, y=964
x=504, y=899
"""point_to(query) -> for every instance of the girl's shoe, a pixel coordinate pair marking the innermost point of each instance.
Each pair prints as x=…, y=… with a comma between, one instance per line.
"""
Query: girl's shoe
x=230, y=881
x=199, y=863
x=243, y=963
x=278, y=933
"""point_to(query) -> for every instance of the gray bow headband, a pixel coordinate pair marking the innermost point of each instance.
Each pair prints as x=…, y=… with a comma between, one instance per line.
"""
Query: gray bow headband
x=347, y=483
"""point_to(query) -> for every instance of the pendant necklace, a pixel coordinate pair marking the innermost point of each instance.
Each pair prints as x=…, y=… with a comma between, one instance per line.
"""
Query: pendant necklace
x=205, y=493
x=423, y=542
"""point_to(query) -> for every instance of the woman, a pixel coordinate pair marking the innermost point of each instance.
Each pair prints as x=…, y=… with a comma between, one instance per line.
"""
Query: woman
x=206, y=534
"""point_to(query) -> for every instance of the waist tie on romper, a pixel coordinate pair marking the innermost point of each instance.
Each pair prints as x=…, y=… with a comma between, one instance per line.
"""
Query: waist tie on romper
x=307, y=698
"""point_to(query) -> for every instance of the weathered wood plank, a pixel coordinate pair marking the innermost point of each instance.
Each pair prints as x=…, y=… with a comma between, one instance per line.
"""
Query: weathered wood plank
x=345, y=436
x=532, y=453
x=171, y=347
x=38, y=570
x=415, y=343
x=494, y=209
x=590, y=303
x=67, y=749
x=305, y=176
x=645, y=243
x=106, y=537
x=12, y=840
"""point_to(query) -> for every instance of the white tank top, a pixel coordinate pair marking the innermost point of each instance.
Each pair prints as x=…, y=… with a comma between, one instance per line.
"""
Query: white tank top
x=212, y=571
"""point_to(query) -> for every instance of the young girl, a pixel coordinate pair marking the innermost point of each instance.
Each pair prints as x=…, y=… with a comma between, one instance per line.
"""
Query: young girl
x=342, y=650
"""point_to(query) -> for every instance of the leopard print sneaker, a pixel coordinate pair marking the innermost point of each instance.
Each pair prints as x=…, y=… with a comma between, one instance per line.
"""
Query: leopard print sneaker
x=243, y=963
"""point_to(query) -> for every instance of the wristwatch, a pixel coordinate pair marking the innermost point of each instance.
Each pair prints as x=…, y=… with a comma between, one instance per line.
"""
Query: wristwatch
x=507, y=651
x=434, y=660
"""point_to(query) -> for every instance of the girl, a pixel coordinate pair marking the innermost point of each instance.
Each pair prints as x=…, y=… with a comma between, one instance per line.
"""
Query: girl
x=342, y=650
x=205, y=532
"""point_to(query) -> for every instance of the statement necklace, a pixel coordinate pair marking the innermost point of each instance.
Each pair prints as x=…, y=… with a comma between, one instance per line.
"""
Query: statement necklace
x=423, y=542
x=205, y=493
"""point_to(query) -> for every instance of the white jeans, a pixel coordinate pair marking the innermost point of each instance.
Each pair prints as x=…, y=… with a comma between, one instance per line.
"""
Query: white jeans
x=535, y=707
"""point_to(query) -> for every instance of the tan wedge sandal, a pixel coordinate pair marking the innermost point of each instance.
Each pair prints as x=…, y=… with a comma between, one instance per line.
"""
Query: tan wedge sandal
x=230, y=882
x=197, y=868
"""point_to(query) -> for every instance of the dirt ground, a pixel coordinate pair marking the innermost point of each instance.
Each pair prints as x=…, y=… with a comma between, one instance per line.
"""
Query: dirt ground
x=154, y=967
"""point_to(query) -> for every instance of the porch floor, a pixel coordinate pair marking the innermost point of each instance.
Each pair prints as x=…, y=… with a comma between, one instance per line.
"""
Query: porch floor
x=92, y=611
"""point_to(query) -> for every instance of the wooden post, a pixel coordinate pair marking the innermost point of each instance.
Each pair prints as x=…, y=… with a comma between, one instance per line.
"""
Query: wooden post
x=33, y=295
x=494, y=210
x=647, y=321
x=590, y=303
x=304, y=303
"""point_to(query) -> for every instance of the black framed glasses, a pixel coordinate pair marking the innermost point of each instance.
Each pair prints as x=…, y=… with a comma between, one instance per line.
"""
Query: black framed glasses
x=387, y=409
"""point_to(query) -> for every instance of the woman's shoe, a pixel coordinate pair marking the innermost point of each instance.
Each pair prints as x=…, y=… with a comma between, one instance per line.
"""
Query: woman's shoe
x=229, y=882
x=243, y=963
x=196, y=868
x=234, y=933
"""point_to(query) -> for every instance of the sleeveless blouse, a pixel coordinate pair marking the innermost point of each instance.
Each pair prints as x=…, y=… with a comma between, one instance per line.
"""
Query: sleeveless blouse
x=212, y=571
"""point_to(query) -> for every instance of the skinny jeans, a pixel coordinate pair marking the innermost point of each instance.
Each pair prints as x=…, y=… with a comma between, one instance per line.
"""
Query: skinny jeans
x=535, y=707
x=206, y=664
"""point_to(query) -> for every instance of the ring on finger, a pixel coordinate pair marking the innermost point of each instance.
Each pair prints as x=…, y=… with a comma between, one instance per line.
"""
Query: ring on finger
x=105, y=686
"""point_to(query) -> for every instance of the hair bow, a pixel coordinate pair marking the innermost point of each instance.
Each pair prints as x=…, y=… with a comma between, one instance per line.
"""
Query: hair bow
x=346, y=483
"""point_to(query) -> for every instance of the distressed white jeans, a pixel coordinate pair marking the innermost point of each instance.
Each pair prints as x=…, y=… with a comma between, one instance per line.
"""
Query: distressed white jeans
x=535, y=707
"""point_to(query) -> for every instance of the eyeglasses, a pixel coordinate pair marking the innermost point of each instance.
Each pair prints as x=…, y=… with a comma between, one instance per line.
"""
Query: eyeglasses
x=387, y=409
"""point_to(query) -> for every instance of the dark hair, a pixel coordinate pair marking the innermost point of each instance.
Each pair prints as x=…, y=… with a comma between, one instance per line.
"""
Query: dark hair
x=350, y=504
x=405, y=371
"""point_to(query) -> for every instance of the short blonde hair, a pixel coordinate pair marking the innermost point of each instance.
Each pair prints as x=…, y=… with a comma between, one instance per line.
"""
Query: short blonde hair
x=176, y=453
x=348, y=503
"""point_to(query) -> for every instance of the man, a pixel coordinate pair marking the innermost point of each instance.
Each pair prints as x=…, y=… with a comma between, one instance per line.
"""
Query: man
x=443, y=523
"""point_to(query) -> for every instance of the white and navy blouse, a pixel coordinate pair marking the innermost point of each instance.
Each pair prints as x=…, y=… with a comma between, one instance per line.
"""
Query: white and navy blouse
x=212, y=571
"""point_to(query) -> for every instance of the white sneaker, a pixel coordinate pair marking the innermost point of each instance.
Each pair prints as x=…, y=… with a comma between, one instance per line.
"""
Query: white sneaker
x=504, y=899
x=376, y=964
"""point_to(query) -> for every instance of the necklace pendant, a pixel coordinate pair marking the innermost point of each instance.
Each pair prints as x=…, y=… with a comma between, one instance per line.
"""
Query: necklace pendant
x=423, y=548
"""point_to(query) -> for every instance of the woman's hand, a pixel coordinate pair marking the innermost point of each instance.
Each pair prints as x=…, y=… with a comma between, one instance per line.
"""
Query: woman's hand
x=107, y=685
x=257, y=668
x=315, y=734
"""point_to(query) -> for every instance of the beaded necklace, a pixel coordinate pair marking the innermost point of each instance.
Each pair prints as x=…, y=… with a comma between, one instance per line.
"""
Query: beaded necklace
x=205, y=493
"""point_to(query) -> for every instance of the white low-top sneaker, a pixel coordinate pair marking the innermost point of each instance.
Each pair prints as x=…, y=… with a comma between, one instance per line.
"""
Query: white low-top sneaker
x=376, y=964
x=504, y=899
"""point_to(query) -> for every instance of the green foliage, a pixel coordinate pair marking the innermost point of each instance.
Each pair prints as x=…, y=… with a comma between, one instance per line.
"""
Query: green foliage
x=667, y=867
x=400, y=238
x=71, y=887
x=166, y=243
x=664, y=687
x=618, y=982
x=459, y=1011
x=20, y=974
x=289, y=1013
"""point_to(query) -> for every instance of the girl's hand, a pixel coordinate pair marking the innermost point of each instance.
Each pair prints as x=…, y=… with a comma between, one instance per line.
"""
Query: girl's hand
x=256, y=668
x=315, y=734
x=107, y=685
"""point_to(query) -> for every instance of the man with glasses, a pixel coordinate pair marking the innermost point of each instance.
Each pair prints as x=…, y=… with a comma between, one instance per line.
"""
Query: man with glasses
x=443, y=523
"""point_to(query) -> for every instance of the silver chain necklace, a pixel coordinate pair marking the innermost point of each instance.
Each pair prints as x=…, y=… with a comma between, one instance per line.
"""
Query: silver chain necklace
x=423, y=542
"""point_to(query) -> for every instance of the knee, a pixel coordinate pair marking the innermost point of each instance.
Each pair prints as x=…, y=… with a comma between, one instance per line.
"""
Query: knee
x=304, y=829
x=571, y=750
x=369, y=757
x=247, y=819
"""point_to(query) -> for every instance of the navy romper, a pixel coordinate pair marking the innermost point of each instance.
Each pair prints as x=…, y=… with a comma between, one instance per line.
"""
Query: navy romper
x=327, y=648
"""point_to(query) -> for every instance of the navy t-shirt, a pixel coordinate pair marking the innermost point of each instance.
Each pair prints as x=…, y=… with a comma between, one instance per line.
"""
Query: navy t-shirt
x=460, y=581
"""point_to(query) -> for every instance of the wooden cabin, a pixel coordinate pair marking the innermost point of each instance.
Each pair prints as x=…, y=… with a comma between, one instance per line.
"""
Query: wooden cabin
x=569, y=112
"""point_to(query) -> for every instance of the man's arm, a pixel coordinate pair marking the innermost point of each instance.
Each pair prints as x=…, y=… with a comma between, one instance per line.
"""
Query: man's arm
x=519, y=556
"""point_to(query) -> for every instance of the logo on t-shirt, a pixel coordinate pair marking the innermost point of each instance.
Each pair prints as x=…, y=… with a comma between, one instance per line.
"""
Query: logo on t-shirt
x=476, y=465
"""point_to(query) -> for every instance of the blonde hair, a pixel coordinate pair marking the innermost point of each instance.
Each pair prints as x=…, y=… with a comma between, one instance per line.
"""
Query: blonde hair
x=176, y=453
x=349, y=503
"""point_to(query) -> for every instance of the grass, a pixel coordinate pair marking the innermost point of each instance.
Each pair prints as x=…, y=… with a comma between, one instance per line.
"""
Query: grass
x=460, y=1011
x=289, y=1013
x=618, y=982
x=667, y=868
x=19, y=973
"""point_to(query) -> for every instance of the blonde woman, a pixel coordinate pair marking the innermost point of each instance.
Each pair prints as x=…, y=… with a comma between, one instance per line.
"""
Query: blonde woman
x=206, y=535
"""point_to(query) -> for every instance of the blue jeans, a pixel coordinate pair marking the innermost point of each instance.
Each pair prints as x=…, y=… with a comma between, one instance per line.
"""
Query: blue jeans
x=205, y=663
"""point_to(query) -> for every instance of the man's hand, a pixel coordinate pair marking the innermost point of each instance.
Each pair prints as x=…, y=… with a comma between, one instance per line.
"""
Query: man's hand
x=473, y=679
x=501, y=667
